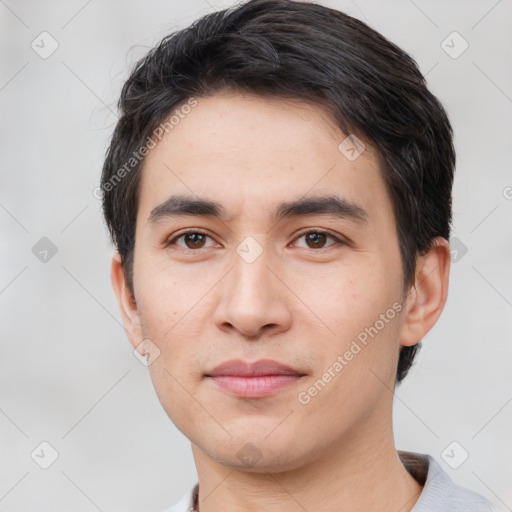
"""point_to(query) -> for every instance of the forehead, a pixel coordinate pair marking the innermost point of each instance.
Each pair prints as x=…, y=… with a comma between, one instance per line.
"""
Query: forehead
x=254, y=152
x=245, y=126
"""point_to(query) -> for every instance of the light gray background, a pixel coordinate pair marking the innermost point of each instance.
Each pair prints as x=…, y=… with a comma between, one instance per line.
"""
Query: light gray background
x=67, y=373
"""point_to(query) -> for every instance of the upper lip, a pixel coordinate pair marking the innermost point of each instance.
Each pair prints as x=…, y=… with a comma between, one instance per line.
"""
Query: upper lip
x=239, y=368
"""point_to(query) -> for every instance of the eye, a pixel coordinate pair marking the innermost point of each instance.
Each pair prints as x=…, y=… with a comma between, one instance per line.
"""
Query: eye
x=317, y=239
x=195, y=239
x=192, y=240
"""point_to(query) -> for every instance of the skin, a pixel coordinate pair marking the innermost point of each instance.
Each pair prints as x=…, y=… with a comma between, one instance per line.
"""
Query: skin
x=300, y=303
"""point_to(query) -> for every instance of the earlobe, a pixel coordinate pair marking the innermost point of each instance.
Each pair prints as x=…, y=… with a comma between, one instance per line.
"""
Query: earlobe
x=126, y=301
x=427, y=297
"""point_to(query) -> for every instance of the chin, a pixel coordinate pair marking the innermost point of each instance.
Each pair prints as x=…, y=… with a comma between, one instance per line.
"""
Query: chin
x=257, y=454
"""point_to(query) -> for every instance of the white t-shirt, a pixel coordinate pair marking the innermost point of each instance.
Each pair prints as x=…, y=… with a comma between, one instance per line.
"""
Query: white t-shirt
x=440, y=493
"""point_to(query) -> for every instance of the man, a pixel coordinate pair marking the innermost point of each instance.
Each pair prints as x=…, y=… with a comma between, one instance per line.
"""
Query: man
x=278, y=188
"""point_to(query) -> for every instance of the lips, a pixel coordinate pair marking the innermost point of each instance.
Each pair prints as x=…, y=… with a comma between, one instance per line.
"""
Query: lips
x=239, y=368
x=253, y=380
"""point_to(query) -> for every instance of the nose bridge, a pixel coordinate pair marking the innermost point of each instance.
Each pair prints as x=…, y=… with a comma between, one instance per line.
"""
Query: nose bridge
x=251, y=276
x=252, y=298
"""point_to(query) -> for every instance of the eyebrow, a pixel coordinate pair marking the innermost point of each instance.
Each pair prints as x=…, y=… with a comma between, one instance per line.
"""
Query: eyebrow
x=179, y=205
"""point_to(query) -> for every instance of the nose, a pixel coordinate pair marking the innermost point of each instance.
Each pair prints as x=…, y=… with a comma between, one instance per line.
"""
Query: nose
x=253, y=300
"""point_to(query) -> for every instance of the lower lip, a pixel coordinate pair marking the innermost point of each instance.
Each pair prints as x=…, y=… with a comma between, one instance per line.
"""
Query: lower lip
x=255, y=387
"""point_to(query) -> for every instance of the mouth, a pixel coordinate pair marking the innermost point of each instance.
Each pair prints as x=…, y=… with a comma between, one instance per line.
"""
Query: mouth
x=253, y=380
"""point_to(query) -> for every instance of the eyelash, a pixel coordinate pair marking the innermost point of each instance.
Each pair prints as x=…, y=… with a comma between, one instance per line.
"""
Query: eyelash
x=338, y=240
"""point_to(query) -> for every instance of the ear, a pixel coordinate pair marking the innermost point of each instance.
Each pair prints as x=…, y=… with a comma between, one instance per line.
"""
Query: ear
x=427, y=296
x=126, y=301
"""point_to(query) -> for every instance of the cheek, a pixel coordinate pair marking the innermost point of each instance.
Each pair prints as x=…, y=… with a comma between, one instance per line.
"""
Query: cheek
x=353, y=378
x=176, y=393
x=361, y=310
x=164, y=293
x=348, y=298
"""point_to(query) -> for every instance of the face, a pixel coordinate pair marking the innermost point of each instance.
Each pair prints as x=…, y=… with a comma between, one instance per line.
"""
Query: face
x=259, y=238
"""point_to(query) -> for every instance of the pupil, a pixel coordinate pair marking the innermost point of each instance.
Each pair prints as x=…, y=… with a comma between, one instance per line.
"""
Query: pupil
x=195, y=239
x=317, y=239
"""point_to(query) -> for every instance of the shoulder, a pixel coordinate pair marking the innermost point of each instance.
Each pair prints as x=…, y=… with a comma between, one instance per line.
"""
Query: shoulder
x=441, y=494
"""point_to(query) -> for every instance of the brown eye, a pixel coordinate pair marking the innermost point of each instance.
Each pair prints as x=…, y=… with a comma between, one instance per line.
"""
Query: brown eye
x=191, y=240
x=194, y=240
x=317, y=240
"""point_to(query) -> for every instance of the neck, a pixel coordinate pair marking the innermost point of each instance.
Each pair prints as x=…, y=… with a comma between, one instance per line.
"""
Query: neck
x=361, y=472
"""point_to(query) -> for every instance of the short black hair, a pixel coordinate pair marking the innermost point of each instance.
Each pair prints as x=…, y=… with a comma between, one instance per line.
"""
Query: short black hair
x=297, y=50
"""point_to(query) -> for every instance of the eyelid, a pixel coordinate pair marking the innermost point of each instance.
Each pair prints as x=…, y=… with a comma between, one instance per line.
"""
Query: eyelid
x=339, y=239
x=171, y=240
